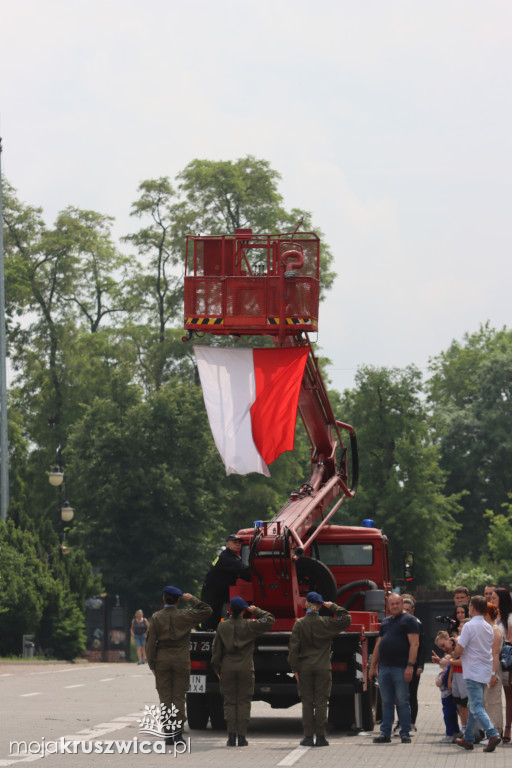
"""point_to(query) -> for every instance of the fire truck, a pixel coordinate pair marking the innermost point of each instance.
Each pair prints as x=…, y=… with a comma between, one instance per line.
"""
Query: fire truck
x=246, y=284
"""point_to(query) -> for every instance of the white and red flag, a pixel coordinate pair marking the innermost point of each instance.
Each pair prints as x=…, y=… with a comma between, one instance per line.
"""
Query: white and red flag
x=251, y=397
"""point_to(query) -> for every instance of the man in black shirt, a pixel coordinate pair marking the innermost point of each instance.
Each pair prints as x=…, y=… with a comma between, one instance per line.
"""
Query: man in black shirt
x=409, y=604
x=393, y=660
x=223, y=573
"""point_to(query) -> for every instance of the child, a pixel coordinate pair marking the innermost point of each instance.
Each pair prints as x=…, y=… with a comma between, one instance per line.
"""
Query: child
x=447, y=700
x=457, y=686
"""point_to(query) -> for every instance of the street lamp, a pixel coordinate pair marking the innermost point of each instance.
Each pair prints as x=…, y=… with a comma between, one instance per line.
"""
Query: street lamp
x=66, y=512
x=57, y=479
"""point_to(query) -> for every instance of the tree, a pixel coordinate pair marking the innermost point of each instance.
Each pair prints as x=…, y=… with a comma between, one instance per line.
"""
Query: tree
x=36, y=596
x=255, y=497
x=401, y=484
x=157, y=287
x=87, y=328
x=222, y=196
x=60, y=281
x=24, y=581
x=471, y=396
x=147, y=478
x=499, y=542
x=212, y=198
x=96, y=269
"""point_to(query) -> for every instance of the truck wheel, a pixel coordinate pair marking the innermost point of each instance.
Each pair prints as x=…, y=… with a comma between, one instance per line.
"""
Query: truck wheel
x=315, y=576
x=197, y=710
x=341, y=713
x=370, y=703
x=216, y=707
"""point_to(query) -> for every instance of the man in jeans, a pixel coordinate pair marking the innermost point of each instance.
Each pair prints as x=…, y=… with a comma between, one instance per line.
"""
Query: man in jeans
x=393, y=659
x=475, y=647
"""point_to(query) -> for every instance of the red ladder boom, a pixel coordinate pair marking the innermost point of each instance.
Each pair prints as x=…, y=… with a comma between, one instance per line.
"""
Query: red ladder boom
x=246, y=285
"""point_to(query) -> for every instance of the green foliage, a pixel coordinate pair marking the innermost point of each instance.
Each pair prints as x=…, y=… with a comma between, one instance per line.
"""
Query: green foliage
x=24, y=582
x=95, y=344
x=255, y=497
x=156, y=287
x=222, y=196
x=499, y=542
x=69, y=277
x=472, y=575
x=62, y=629
x=35, y=595
x=213, y=197
x=148, y=482
x=401, y=486
x=471, y=396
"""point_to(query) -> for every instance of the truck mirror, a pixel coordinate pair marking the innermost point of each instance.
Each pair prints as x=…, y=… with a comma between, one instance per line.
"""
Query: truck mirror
x=408, y=566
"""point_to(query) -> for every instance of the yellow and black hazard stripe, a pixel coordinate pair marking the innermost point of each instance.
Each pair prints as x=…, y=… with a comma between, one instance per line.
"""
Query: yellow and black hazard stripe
x=204, y=321
x=290, y=320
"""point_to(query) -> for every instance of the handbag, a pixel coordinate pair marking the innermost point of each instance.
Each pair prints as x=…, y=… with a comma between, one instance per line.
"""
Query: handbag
x=506, y=657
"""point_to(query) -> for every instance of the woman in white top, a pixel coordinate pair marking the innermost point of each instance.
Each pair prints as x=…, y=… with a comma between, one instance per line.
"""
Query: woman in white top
x=503, y=601
x=493, y=698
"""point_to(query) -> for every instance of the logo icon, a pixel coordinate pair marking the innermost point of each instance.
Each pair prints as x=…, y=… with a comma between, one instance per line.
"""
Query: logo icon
x=160, y=721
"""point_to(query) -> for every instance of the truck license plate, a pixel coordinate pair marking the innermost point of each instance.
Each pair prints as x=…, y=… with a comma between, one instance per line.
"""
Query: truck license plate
x=197, y=684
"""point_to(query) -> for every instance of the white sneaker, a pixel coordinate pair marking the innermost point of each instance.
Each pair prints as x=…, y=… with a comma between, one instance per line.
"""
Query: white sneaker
x=448, y=740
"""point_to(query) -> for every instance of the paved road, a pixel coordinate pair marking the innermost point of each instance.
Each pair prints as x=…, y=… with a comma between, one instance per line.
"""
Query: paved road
x=93, y=703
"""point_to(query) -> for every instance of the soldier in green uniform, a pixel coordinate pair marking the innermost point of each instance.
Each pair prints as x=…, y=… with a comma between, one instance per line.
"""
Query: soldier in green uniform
x=167, y=648
x=232, y=661
x=310, y=659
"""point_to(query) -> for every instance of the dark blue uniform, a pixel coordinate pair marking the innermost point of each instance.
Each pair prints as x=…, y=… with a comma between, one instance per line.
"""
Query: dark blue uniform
x=223, y=573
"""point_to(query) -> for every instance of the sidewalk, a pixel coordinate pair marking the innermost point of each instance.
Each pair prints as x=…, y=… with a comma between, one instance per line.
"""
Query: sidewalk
x=425, y=751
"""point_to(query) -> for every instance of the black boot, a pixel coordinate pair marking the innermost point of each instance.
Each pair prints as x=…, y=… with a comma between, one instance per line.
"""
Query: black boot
x=242, y=741
x=231, y=742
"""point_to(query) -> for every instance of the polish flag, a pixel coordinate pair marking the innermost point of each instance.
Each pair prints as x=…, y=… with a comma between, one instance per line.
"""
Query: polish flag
x=251, y=397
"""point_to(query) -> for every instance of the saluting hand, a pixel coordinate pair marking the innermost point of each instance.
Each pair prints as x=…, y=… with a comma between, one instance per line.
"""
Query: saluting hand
x=186, y=596
x=251, y=608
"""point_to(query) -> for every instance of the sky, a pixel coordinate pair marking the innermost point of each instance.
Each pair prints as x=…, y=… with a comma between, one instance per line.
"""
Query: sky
x=389, y=120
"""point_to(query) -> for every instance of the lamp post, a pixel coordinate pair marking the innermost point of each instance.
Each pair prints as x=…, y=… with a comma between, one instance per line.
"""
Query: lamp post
x=57, y=479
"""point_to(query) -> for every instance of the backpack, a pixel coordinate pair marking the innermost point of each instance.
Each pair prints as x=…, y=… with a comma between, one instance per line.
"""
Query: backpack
x=506, y=657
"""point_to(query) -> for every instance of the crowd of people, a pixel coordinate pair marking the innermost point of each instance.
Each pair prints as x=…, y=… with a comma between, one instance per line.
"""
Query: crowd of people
x=476, y=691
x=471, y=679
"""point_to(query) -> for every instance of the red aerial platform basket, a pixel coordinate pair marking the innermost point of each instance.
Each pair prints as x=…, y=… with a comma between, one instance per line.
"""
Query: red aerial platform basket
x=252, y=284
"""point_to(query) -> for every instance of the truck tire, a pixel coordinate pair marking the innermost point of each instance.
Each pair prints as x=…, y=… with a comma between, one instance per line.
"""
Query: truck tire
x=341, y=713
x=315, y=576
x=370, y=703
x=216, y=708
x=197, y=710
